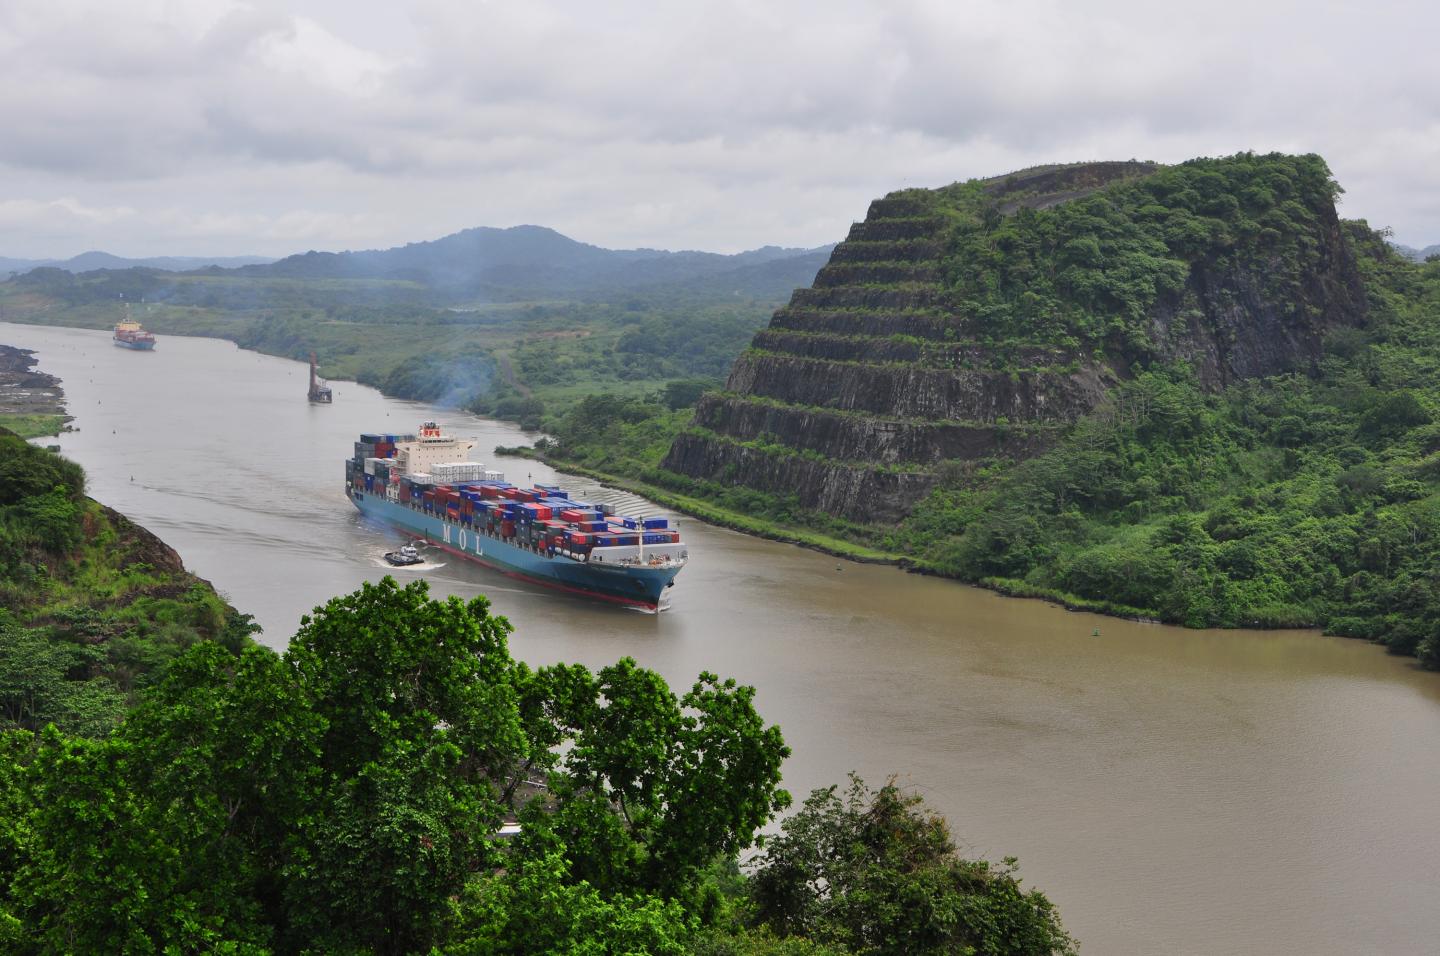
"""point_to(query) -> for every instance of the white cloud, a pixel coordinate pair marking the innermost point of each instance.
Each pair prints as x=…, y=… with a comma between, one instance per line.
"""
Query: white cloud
x=270, y=127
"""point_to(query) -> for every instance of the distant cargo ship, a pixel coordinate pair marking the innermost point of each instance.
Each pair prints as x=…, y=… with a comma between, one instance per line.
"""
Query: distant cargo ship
x=424, y=485
x=129, y=335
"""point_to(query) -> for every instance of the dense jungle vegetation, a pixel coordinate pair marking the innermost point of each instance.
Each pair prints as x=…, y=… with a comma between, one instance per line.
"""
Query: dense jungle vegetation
x=168, y=785
x=1090, y=272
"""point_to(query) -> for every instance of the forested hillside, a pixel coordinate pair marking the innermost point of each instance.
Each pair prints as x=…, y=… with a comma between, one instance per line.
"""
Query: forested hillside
x=1188, y=393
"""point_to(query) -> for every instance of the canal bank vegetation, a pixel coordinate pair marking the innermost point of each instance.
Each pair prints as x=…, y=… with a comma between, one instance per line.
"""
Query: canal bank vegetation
x=349, y=796
x=34, y=425
x=92, y=607
x=1294, y=500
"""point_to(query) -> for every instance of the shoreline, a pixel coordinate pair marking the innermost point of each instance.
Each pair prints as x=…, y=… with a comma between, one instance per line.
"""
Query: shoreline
x=814, y=541
x=32, y=403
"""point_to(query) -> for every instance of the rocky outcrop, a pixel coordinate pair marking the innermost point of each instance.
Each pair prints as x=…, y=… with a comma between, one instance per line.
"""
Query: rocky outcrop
x=868, y=382
x=1230, y=326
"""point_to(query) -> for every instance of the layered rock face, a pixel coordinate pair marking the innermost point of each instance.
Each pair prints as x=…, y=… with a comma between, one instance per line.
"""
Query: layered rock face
x=867, y=382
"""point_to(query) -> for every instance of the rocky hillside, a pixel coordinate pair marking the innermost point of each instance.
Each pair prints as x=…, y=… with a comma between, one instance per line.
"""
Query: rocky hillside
x=979, y=321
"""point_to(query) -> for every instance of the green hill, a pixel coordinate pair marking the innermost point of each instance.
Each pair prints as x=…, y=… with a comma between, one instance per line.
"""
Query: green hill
x=1190, y=393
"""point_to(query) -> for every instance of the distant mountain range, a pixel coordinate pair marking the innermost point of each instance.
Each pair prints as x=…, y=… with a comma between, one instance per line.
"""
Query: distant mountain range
x=90, y=261
x=514, y=264
x=1419, y=255
x=528, y=262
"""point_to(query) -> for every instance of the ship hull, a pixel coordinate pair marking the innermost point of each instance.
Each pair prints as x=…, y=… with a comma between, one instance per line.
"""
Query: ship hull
x=641, y=587
x=137, y=346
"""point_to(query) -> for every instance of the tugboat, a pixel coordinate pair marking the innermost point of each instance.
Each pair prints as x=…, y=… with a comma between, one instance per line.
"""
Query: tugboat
x=404, y=556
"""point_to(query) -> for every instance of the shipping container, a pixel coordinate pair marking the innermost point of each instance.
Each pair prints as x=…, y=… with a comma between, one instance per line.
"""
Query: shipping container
x=652, y=523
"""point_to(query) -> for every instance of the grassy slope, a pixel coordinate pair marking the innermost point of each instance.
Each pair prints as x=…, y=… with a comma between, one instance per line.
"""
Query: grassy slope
x=34, y=425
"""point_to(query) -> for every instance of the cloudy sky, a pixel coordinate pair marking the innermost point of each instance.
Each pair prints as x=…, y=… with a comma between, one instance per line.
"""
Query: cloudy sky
x=210, y=127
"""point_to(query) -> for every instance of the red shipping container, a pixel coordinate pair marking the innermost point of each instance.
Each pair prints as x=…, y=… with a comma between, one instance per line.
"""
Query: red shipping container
x=570, y=514
x=510, y=494
x=489, y=492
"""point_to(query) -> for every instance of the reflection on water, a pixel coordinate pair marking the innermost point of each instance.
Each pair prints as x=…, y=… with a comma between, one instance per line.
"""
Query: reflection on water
x=1173, y=791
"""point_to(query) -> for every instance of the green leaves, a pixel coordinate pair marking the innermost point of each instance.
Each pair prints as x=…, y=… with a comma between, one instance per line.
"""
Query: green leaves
x=345, y=797
x=43, y=680
x=1094, y=269
x=875, y=872
x=691, y=778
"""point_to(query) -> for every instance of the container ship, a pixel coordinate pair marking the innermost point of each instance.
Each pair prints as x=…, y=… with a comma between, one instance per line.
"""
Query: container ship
x=129, y=335
x=424, y=484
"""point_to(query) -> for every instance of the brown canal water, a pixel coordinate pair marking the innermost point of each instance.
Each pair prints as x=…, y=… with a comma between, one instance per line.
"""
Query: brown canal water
x=1175, y=792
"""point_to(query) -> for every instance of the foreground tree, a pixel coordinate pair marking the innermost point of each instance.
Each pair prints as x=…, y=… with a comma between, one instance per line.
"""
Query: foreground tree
x=345, y=797
x=875, y=872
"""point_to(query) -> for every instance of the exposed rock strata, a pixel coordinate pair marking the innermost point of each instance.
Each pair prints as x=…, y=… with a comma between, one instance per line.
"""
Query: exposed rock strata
x=869, y=380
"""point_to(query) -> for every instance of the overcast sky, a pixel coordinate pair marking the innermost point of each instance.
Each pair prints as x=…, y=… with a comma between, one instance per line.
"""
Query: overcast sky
x=209, y=127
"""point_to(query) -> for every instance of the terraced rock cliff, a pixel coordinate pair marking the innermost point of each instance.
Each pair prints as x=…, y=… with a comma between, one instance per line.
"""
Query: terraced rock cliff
x=981, y=320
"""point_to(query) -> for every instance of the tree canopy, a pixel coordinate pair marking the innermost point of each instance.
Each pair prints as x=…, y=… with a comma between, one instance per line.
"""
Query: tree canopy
x=349, y=795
